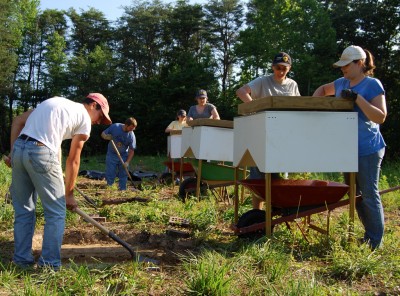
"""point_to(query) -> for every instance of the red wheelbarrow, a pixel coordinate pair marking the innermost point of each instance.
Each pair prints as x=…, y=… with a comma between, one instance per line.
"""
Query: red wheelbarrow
x=290, y=199
x=298, y=193
x=293, y=199
x=176, y=168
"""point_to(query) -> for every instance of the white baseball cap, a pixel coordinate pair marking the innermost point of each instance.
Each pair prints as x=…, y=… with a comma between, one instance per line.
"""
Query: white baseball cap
x=351, y=53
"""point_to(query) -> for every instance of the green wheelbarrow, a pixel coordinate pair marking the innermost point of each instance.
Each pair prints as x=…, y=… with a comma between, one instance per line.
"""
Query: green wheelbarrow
x=210, y=175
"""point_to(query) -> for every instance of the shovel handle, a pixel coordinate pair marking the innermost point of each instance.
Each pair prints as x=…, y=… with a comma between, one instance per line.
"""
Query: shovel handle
x=122, y=161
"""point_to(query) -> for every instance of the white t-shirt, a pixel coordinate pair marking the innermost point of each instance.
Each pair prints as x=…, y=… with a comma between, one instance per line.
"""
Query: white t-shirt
x=57, y=119
x=266, y=86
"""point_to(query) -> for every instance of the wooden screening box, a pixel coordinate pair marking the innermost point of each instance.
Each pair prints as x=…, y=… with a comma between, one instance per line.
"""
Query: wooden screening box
x=297, y=141
x=175, y=132
x=211, y=122
x=174, y=145
x=208, y=139
x=296, y=103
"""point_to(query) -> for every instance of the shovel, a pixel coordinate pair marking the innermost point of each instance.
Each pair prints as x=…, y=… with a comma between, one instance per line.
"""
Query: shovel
x=122, y=161
x=116, y=238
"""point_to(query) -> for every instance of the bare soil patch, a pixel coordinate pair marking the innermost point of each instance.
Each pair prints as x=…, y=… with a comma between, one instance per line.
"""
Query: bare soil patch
x=86, y=243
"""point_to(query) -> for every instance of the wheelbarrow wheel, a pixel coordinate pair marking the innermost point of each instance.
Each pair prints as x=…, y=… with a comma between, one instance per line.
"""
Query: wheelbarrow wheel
x=166, y=178
x=188, y=187
x=249, y=218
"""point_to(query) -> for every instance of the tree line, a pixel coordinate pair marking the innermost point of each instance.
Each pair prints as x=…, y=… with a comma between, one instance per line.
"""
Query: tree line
x=150, y=61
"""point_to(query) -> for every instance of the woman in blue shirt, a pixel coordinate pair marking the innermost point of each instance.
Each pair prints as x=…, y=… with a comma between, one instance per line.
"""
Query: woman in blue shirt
x=357, y=66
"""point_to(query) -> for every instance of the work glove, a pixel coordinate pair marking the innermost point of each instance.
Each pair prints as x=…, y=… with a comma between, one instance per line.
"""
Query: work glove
x=349, y=94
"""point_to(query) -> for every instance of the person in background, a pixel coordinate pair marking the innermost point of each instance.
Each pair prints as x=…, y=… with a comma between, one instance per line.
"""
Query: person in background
x=35, y=158
x=203, y=109
x=125, y=141
x=276, y=84
x=368, y=94
x=178, y=124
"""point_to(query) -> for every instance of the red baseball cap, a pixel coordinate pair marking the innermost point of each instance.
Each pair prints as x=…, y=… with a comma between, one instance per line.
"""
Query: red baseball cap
x=102, y=101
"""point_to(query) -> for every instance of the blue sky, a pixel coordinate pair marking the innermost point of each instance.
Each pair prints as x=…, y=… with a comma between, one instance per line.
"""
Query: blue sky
x=111, y=8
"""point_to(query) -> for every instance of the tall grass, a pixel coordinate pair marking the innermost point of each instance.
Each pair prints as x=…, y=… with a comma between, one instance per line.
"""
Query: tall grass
x=6, y=212
x=355, y=263
x=209, y=274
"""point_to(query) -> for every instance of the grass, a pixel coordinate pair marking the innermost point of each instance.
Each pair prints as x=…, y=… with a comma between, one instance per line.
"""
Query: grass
x=214, y=262
x=209, y=274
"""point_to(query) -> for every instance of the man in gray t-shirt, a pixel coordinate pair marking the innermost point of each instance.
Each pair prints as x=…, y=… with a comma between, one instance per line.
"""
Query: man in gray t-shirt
x=277, y=84
x=266, y=86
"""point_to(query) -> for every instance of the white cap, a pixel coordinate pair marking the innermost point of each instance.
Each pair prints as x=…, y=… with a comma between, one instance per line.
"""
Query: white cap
x=351, y=53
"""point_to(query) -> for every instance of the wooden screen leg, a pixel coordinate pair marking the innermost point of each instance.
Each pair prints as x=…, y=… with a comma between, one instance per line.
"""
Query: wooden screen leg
x=198, y=179
x=244, y=177
x=236, y=200
x=181, y=170
x=268, y=208
x=173, y=172
x=352, y=201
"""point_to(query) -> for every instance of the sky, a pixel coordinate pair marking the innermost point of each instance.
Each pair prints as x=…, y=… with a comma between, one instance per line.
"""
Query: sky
x=112, y=9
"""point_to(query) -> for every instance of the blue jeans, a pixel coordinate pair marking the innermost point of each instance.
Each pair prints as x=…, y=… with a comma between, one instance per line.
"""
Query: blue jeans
x=370, y=209
x=115, y=168
x=36, y=171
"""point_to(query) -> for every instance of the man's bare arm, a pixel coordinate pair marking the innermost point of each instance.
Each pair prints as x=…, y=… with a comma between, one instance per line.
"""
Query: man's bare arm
x=72, y=168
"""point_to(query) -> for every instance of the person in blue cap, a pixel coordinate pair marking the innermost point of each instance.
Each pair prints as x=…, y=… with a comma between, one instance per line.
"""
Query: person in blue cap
x=203, y=109
x=276, y=84
x=178, y=124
